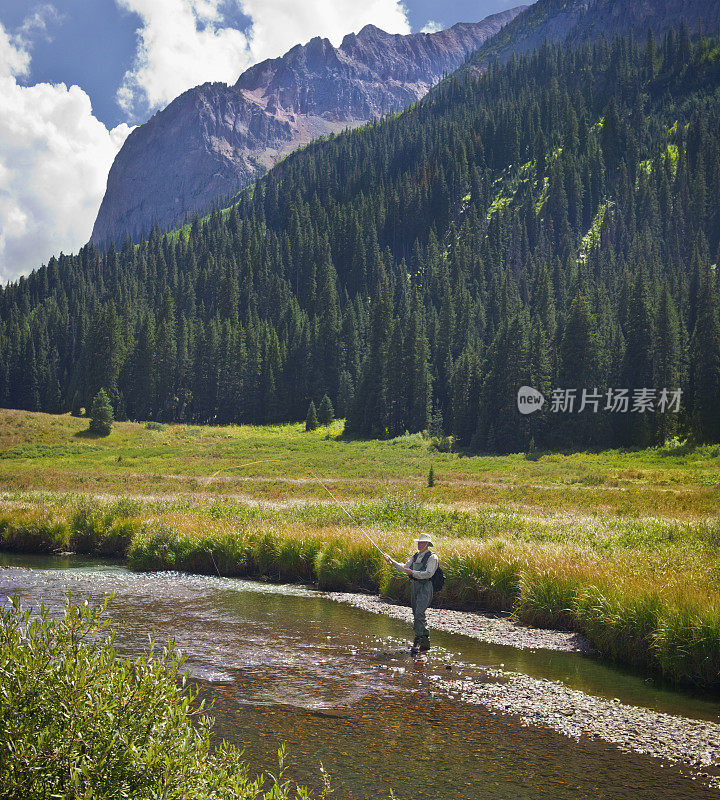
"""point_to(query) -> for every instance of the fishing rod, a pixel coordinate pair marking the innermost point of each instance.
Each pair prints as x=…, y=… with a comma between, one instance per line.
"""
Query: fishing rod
x=316, y=478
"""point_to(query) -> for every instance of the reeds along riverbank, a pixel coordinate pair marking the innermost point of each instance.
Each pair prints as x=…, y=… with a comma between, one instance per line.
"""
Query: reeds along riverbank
x=635, y=606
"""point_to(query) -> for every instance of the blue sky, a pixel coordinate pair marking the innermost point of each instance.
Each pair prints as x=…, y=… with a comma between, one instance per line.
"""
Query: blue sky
x=77, y=75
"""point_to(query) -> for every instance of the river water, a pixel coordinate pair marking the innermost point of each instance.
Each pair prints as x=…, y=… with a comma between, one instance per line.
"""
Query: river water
x=284, y=664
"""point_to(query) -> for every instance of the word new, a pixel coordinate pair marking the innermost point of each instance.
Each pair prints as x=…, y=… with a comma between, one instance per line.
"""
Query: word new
x=614, y=401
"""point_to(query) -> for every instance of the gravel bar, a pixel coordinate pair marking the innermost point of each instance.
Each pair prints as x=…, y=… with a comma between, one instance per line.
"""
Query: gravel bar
x=542, y=703
x=692, y=744
x=490, y=628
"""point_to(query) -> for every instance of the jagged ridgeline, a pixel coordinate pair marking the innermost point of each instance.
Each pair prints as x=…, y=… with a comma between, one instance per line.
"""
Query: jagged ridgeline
x=554, y=222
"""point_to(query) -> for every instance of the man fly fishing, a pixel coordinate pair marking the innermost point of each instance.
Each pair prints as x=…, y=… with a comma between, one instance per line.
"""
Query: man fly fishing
x=423, y=568
x=426, y=576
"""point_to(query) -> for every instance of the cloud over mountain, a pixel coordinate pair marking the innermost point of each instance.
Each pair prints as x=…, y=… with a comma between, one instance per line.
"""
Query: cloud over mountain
x=183, y=43
x=54, y=159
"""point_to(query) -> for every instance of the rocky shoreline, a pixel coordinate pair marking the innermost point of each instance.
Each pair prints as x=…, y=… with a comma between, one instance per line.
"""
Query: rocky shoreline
x=693, y=745
x=490, y=628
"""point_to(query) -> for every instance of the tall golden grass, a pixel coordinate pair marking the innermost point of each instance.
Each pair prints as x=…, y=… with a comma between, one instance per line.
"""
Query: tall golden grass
x=652, y=604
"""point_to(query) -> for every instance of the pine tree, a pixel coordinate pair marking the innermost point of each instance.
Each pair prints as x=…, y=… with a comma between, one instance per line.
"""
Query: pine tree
x=76, y=405
x=501, y=428
x=610, y=139
x=101, y=414
x=705, y=365
x=104, y=354
x=638, y=368
x=141, y=397
x=416, y=359
x=667, y=361
x=346, y=393
x=369, y=415
x=580, y=368
x=311, y=423
x=326, y=413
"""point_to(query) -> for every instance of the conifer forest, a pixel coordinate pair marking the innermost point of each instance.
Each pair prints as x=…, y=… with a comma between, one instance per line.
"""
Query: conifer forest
x=551, y=222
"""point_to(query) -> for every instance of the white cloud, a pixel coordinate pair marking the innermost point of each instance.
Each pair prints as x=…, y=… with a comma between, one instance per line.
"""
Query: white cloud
x=280, y=24
x=54, y=160
x=14, y=58
x=431, y=27
x=36, y=23
x=183, y=43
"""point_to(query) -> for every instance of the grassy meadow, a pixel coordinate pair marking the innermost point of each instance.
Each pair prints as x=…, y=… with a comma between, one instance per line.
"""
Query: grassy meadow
x=622, y=546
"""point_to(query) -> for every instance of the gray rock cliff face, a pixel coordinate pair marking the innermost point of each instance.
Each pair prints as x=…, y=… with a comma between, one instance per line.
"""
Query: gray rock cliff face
x=214, y=139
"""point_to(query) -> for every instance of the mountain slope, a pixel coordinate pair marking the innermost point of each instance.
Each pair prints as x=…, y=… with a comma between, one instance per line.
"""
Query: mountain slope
x=215, y=139
x=577, y=21
x=552, y=222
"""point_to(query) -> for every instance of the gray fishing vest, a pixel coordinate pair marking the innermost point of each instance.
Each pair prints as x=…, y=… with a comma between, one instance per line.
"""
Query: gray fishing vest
x=417, y=564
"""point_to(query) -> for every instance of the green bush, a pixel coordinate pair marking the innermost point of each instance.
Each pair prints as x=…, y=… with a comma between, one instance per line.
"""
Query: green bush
x=284, y=558
x=394, y=585
x=154, y=426
x=297, y=559
x=116, y=537
x=86, y=527
x=687, y=644
x=266, y=555
x=159, y=547
x=621, y=627
x=78, y=721
x=95, y=529
x=547, y=600
x=155, y=547
x=487, y=579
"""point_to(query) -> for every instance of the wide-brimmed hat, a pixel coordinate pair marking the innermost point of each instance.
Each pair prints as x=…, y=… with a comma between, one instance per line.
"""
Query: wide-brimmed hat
x=424, y=537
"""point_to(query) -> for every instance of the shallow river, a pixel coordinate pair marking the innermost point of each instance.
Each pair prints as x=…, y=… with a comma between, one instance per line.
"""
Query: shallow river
x=287, y=665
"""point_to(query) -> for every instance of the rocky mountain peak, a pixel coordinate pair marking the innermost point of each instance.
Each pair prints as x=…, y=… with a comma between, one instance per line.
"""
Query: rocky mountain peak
x=215, y=139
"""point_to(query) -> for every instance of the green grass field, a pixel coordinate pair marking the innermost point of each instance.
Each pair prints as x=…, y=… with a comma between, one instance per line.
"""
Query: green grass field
x=42, y=451
x=622, y=546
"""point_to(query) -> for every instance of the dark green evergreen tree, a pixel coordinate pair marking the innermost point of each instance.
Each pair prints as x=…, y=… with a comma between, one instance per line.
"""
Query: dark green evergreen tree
x=101, y=414
x=326, y=413
x=668, y=365
x=76, y=405
x=346, y=394
x=704, y=387
x=311, y=422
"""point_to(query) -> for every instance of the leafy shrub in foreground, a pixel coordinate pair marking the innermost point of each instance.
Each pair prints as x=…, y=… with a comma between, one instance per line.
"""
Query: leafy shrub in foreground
x=77, y=721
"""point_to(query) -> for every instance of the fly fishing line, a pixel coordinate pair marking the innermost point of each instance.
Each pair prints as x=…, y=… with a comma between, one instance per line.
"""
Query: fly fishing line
x=314, y=477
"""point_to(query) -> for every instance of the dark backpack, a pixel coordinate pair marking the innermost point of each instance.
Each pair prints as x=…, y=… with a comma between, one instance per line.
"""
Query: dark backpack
x=438, y=577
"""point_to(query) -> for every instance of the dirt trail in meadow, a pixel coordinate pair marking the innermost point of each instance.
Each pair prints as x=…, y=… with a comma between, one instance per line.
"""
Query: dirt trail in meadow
x=452, y=480
x=516, y=510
